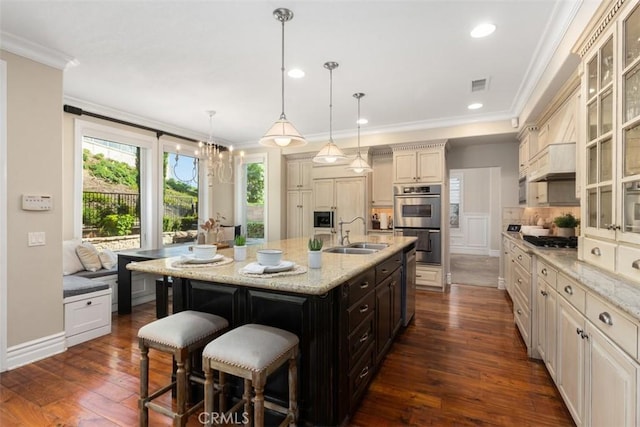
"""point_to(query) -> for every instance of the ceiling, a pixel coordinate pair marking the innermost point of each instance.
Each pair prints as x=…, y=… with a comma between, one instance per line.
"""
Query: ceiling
x=170, y=61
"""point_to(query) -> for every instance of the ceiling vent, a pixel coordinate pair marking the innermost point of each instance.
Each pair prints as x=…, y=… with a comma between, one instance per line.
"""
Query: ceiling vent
x=478, y=85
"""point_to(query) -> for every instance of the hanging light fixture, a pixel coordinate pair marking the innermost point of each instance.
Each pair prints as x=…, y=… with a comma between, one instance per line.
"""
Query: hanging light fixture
x=330, y=153
x=282, y=133
x=217, y=167
x=359, y=165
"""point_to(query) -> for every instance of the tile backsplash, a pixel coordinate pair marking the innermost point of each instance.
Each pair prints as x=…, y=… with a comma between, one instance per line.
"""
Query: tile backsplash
x=531, y=216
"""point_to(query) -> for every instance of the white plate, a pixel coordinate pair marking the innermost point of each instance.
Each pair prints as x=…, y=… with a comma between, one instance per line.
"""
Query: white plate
x=283, y=266
x=191, y=259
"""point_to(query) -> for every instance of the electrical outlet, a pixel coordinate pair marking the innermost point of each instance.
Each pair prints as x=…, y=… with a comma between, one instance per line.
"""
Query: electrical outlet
x=36, y=238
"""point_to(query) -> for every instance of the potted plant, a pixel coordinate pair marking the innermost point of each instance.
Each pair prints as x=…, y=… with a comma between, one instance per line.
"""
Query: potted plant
x=566, y=225
x=240, y=248
x=315, y=260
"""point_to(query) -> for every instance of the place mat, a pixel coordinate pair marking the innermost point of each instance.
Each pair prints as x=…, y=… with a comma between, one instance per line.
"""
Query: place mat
x=297, y=269
x=182, y=264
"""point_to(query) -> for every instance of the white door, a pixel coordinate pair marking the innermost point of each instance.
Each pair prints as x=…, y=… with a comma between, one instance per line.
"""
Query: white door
x=306, y=213
x=323, y=195
x=294, y=207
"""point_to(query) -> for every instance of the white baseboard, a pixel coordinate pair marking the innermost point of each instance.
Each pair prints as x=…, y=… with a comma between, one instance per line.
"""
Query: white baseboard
x=494, y=252
x=501, y=283
x=32, y=351
x=463, y=250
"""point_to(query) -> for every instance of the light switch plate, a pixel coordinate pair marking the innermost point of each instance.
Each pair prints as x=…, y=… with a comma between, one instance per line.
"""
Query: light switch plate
x=36, y=238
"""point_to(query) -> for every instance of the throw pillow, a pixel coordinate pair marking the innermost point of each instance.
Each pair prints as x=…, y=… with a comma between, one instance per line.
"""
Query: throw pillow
x=88, y=255
x=108, y=259
x=70, y=261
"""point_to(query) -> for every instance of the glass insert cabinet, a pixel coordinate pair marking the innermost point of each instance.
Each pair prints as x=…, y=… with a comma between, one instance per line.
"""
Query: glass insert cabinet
x=611, y=93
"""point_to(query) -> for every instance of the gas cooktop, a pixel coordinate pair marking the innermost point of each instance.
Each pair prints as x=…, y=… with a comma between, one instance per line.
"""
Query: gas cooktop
x=552, y=241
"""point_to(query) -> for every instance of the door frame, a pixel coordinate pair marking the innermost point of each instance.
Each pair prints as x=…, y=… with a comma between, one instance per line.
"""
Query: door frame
x=3, y=216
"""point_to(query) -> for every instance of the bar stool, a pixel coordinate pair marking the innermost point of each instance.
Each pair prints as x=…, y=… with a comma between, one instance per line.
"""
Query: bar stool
x=179, y=334
x=251, y=352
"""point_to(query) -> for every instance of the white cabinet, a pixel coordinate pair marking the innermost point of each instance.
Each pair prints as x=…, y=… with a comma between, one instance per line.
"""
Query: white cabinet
x=418, y=166
x=299, y=174
x=382, y=181
x=299, y=213
x=346, y=197
x=87, y=316
x=545, y=317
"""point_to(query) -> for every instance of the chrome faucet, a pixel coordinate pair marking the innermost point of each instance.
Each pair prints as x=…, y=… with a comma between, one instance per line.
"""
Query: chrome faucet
x=345, y=238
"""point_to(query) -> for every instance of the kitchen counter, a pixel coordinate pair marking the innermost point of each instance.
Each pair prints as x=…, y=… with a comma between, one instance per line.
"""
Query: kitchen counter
x=346, y=315
x=336, y=268
x=621, y=293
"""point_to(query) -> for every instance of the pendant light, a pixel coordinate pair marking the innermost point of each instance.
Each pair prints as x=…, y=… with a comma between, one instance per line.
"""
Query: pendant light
x=330, y=153
x=359, y=165
x=282, y=133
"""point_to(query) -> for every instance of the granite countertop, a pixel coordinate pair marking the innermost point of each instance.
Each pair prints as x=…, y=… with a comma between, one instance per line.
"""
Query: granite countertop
x=336, y=268
x=622, y=293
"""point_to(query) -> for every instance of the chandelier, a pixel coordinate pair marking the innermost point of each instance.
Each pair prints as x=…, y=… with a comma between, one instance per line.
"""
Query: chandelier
x=218, y=168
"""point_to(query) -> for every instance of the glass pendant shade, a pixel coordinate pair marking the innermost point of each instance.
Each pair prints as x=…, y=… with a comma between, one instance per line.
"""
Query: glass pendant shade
x=359, y=165
x=330, y=153
x=282, y=133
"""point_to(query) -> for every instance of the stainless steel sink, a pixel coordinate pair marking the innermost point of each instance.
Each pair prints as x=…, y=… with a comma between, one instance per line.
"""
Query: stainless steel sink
x=367, y=245
x=350, y=250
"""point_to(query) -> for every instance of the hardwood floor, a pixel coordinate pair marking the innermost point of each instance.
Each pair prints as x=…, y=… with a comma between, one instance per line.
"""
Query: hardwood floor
x=461, y=362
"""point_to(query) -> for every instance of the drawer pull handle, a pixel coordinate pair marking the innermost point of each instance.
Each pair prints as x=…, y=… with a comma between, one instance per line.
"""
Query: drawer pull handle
x=519, y=257
x=636, y=264
x=384, y=270
x=88, y=302
x=519, y=311
x=568, y=289
x=579, y=331
x=544, y=293
x=364, y=308
x=606, y=318
x=544, y=271
x=418, y=275
x=364, y=372
x=596, y=251
x=364, y=337
x=519, y=281
x=364, y=285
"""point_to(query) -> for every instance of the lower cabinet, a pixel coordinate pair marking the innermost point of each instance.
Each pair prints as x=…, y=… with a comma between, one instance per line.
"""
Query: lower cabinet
x=388, y=312
x=545, y=316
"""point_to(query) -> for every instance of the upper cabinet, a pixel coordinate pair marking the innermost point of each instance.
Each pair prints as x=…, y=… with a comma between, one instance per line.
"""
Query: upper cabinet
x=419, y=164
x=382, y=180
x=611, y=144
x=299, y=174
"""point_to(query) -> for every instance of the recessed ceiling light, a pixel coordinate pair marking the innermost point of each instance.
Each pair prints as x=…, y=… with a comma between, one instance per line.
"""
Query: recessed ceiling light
x=482, y=30
x=362, y=121
x=474, y=106
x=296, y=73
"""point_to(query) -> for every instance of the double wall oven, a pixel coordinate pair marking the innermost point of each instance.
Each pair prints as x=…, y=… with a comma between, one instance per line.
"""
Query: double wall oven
x=417, y=213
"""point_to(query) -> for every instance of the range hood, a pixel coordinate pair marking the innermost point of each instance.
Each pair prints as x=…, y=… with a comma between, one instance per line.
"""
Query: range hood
x=556, y=162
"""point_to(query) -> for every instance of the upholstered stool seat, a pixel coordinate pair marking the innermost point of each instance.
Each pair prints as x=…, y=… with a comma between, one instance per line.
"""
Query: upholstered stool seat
x=179, y=334
x=252, y=352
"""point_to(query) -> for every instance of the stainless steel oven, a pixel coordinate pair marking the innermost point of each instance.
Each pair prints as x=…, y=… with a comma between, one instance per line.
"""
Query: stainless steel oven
x=416, y=207
x=323, y=219
x=417, y=213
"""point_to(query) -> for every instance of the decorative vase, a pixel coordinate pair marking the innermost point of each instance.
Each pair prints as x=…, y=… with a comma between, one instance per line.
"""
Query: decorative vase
x=315, y=259
x=565, y=232
x=240, y=253
x=211, y=237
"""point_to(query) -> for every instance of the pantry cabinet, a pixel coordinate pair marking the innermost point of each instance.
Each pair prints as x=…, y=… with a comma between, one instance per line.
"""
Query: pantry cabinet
x=299, y=213
x=346, y=197
x=381, y=182
x=299, y=174
x=418, y=164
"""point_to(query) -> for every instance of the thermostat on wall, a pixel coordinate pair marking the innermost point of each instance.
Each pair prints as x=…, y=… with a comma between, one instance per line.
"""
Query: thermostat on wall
x=32, y=202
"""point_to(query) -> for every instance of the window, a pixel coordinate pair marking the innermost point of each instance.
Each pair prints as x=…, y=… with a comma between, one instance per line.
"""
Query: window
x=455, y=190
x=180, y=198
x=251, y=205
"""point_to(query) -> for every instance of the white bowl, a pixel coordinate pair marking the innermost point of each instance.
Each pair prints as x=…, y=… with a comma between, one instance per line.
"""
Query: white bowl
x=269, y=257
x=204, y=251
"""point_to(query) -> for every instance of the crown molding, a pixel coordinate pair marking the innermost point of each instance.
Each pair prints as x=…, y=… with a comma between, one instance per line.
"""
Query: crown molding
x=36, y=52
x=602, y=19
x=441, y=143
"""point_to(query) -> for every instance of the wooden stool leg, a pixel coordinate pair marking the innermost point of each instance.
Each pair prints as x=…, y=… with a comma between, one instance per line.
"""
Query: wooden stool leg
x=258, y=405
x=208, y=394
x=247, y=401
x=293, y=391
x=144, y=384
x=222, y=397
x=181, y=388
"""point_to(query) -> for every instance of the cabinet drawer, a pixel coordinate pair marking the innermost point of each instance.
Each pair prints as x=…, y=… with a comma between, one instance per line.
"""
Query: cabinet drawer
x=598, y=253
x=426, y=276
x=522, y=317
x=359, y=286
x=522, y=281
x=360, y=376
x=547, y=273
x=572, y=292
x=388, y=266
x=614, y=324
x=629, y=262
x=522, y=258
x=361, y=339
x=360, y=310
x=87, y=314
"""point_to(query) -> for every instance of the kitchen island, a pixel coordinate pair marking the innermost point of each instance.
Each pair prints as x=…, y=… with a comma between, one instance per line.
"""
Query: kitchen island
x=346, y=314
